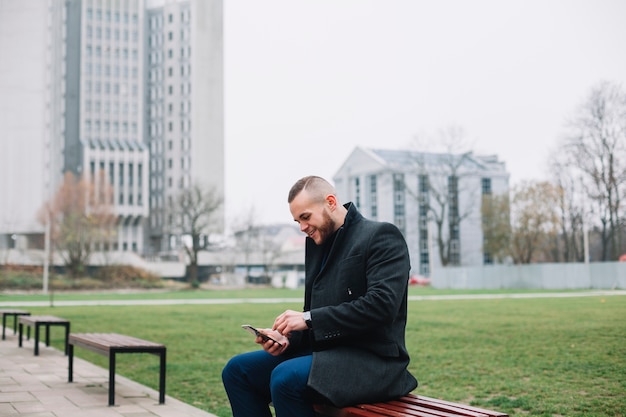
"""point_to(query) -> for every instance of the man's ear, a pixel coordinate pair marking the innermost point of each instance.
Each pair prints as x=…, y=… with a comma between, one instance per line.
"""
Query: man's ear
x=331, y=200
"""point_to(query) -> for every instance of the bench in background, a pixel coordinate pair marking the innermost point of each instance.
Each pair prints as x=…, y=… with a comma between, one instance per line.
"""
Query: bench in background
x=110, y=344
x=37, y=322
x=14, y=313
x=408, y=406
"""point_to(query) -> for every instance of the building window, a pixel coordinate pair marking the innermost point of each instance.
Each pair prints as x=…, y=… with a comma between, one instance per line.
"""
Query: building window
x=422, y=207
x=454, y=220
x=373, y=197
x=398, y=202
x=486, y=186
x=111, y=173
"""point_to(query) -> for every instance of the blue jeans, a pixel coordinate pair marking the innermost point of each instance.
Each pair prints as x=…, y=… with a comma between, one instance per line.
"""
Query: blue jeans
x=252, y=380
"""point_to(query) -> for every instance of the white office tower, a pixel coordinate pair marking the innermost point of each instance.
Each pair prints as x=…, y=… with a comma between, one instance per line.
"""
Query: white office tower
x=31, y=121
x=98, y=88
x=104, y=107
x=185, y=129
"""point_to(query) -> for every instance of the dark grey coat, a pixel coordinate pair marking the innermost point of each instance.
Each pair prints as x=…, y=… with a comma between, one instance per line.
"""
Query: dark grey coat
x=358, y=304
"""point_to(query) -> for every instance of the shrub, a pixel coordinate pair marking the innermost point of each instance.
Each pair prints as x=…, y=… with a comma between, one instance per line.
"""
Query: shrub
x=126, y=276
x=27, y=278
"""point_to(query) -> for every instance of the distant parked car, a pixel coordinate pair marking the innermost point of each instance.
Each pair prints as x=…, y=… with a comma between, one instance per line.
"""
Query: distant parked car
x=419, y=280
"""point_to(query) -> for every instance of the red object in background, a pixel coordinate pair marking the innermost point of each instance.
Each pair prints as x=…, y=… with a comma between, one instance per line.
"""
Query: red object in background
x=419, y=280
x=622, y=258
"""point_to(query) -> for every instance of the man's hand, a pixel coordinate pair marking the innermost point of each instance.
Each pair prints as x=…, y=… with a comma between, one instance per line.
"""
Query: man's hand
x=288, y=322
x=269, y=345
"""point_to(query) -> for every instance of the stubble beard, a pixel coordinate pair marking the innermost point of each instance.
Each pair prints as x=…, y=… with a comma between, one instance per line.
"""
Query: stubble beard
x=326, y=228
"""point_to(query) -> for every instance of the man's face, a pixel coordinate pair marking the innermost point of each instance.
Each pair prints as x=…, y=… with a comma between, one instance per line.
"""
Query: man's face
x=313, y=216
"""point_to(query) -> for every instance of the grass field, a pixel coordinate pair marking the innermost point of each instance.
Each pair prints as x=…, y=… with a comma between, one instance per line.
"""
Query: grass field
x=527, y=357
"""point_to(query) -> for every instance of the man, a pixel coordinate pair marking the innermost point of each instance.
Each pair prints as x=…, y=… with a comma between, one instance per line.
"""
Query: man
x=348, y=346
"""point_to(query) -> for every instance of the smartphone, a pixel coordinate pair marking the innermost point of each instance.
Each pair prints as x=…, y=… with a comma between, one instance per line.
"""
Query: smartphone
x=263, y=336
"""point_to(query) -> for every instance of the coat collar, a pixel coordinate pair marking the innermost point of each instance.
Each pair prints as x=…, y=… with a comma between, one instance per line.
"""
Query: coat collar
x=353, y=216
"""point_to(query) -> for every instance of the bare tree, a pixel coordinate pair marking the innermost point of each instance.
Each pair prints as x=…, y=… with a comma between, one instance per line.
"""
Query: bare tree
x=596, y=143
x=571, y=206
x=259, y=244
x=82, y=217
x=247, y=234
x=271, y=249
x=496, y=225
x=535, y=220
x=443, y=177
x=192, y=216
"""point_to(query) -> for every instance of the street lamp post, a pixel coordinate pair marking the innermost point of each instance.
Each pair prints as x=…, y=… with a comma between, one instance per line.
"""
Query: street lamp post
x=46, y=256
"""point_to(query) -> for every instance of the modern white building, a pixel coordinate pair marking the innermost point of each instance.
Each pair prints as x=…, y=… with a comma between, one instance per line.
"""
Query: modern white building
x=31, y=122
x=103, y=106
x=87, y=86
x=185, y=128
x=410, y=188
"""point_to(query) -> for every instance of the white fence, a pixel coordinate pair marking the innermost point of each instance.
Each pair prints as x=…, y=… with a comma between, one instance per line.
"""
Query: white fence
x=562, y=276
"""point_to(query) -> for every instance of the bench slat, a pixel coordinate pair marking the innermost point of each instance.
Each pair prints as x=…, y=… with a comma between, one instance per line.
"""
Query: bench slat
x=112, y=339
x=408, y=406
x=330, y=411
x=12, y=311
x=402, y=409
x=442, y=404
x=32, y=320
x=389, y=410
x=103, y=343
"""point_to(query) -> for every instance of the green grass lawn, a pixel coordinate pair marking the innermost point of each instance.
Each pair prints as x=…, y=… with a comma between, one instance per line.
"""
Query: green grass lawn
x=529, y=357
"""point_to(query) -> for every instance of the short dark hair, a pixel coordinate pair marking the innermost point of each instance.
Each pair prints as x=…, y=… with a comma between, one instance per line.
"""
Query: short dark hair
x=312, y=182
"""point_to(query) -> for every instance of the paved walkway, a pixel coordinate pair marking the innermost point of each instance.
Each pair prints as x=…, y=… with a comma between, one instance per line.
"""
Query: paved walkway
x=36, y=386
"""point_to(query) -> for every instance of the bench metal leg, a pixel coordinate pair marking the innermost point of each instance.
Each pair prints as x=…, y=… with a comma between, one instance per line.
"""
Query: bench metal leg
x=111, y=378
x=70, y=363
x=162, y=378
x=20, y=336
x=37, y=339
x=4, y=325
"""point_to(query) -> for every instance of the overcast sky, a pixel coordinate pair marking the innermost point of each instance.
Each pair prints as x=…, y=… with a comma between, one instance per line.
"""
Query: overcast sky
x=308, y=81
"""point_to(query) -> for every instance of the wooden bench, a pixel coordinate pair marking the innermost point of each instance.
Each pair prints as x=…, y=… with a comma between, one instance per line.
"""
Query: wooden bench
x=14, y=313
x=46, y=321
x=408, y=406
x=110, y=344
